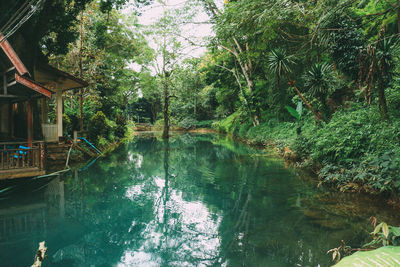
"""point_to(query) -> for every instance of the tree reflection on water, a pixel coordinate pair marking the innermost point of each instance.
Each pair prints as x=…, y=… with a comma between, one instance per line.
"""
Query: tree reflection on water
x=195, y=200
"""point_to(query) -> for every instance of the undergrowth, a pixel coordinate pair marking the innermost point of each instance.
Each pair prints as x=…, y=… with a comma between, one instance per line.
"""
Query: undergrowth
x=355, y=151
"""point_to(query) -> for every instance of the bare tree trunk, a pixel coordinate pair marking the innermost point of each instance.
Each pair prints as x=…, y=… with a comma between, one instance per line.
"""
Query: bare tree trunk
x=382, y=78
x=398, y=20
x=165, y=134
x=80, y=75
x=195, y=106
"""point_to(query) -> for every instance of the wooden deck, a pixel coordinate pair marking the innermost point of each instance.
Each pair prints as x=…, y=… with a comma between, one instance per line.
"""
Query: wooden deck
x=19, y=160
x=21, y=173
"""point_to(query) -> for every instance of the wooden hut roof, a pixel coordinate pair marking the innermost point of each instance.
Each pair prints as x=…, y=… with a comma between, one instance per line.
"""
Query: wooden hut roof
x=52, y=78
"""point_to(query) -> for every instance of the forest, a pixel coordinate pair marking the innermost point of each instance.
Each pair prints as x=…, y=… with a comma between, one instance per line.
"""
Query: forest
x=317, y=80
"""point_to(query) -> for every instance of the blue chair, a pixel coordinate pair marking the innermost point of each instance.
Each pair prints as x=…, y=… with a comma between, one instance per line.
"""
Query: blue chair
x=21, y=152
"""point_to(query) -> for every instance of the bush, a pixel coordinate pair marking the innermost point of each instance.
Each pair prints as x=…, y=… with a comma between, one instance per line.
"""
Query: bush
x=120, y=126
x=356, y=149
x=228, y=125
x=350, y=135
x=188, y=123
x=98, y=127
x=204, y=124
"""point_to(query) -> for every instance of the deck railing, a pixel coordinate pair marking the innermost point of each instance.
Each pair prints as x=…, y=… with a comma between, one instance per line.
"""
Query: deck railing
x=21, y=155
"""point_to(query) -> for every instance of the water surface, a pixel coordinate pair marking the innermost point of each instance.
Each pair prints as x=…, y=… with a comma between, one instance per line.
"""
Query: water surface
x=197, y=200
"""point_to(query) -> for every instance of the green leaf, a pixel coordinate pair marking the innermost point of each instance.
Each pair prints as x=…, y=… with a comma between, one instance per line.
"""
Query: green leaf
x=293, y=112
x=395, y=230
x=385, y=230
x=385, y=257
x=377, y=228
x=299, y=108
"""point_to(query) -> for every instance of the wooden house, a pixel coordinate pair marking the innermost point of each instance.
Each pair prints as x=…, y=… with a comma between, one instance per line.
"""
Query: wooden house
x=24, y=95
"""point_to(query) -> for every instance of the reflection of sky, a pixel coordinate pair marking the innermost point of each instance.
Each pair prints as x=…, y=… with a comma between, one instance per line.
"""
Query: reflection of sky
x=182, y=233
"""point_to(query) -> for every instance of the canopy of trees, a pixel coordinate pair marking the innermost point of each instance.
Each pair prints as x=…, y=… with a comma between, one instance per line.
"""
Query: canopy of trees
x=318, y=76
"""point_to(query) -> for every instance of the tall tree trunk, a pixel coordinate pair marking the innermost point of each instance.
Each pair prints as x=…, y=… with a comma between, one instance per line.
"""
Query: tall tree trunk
x=80, y=75
x=195, y=107
x=383, y=79
x=398, y=20
x=246, y=68
x=165, y=134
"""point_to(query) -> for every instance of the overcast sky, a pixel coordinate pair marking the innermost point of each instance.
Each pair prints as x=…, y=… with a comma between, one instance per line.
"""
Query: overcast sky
x=195, y=32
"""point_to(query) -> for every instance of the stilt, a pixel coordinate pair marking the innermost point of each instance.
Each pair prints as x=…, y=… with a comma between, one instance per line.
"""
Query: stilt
x=29, y=122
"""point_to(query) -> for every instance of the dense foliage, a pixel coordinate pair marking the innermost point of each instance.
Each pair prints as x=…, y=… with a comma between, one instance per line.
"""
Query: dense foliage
x=338, y=59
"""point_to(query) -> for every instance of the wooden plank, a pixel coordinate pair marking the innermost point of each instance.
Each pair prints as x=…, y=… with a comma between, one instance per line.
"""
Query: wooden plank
x=12, y=56
x=32, y=85
x=8, y=96
x=20, y=173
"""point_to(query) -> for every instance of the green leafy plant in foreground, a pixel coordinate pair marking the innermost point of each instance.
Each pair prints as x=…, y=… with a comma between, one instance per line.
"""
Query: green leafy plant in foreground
x=383, y=235
x=385, y=257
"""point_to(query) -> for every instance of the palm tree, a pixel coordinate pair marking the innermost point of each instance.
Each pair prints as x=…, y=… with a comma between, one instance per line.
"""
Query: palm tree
x=318, y=80
x=387, y=50
x=279, y=62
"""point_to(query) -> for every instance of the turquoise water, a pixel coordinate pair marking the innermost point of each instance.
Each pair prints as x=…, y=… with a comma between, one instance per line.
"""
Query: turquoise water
x=198, y=200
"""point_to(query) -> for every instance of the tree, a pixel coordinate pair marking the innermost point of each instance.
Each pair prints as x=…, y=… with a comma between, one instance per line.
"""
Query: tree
x=169, y=49
x=102, y=56
x=319, y=80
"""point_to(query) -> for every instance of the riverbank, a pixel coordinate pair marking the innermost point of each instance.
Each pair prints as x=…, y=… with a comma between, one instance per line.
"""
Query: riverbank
x=105, y=146
x=355, y=152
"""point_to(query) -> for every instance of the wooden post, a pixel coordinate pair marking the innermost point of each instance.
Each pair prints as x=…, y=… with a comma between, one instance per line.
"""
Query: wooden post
x=44, y=110
x=59, y=102
x=75, y=136
x=5, y=83
x=11, y=120
x=81, y=109
x=40, y=254
x=41, y=155
x=29, y=122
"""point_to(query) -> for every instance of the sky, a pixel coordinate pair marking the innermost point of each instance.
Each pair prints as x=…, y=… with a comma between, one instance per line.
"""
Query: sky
x=196, y=32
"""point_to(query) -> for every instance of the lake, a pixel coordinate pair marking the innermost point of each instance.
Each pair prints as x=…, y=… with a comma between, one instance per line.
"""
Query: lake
x=197, y=200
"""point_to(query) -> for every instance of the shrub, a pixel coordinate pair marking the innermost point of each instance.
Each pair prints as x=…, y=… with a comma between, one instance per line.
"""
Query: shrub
x=98, y=127
x=356, y=149
x=204, y=124
x=120, y=126
x=188, y=123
